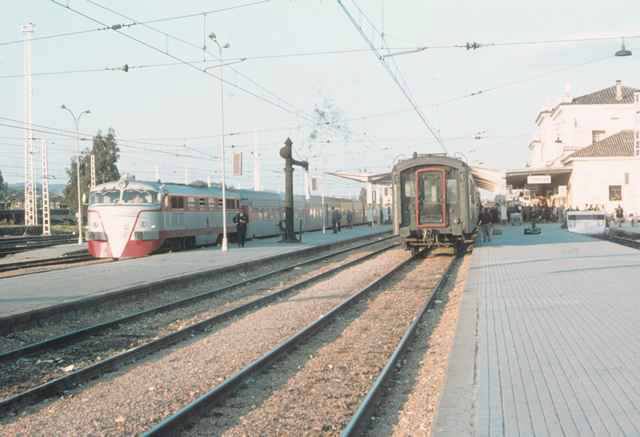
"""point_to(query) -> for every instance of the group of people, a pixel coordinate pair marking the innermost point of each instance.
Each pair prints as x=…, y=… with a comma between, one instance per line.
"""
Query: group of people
x=336, y=219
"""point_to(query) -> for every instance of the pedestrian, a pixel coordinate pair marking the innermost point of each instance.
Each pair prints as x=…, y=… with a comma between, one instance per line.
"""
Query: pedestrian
x=485, y=225
x=334, y=219
x=619, y=215
x=241, y=220
x=339, y=219
x=350, y=219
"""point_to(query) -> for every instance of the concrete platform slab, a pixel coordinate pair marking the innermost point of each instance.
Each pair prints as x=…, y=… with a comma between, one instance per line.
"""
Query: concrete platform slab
x=546, y=341
x=32, y=292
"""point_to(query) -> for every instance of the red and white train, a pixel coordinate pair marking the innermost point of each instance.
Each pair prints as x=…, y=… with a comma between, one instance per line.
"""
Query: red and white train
x=130, y=218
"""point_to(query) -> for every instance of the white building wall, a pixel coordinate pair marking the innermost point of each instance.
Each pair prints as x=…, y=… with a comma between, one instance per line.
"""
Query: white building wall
x=573, y=125
x=591, y=178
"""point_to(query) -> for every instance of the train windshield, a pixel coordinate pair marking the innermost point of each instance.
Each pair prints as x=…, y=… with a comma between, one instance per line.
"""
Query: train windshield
x=139, y=196
x=104, y=197
x=431, y=197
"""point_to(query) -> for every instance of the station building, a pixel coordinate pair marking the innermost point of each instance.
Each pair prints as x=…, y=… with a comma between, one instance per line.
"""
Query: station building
x=586, y=152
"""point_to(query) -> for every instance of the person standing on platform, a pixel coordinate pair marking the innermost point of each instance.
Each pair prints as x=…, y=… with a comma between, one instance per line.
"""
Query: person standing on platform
x=241, y=220
x=619, y=215
x=485, y=225
x=350, y=219
x=334, y=220
x=339, y=219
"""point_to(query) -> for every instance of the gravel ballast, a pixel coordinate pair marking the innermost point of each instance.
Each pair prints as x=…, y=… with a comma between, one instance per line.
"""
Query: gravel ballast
x=34, y=370
x=317, y=388
x=410, y=400
x=125, y=305
x=140, y=395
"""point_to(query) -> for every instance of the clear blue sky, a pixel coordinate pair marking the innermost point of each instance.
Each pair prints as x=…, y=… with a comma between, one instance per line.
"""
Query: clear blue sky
x=175, y=104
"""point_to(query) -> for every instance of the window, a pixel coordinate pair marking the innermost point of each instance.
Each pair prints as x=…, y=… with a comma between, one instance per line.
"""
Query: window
x=102, y=197
x=191, y=202
x=430, y=198
x=177, y=202
x=202, y=202
x=615, y=193
x=596, y=135
x=139, y=196
x=407, y=196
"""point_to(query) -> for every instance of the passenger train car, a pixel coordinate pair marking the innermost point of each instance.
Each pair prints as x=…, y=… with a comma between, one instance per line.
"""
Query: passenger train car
x=436, y=202
x=130, y=218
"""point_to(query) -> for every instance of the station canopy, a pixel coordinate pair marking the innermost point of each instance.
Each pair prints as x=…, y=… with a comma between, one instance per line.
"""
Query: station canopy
x=538, y=177
x=485, y=178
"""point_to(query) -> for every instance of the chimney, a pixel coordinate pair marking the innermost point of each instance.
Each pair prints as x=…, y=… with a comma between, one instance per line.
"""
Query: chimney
x=618, y=90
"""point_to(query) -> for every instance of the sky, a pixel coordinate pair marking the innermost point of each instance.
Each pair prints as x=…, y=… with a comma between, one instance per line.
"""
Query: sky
x=169, y=117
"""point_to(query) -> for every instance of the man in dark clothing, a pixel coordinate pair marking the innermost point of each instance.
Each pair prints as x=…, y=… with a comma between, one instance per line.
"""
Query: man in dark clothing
x=241, y=220
x=619, y=215
x=334, y=220
x=339, y=219
x=485, y=225
x=349, y=219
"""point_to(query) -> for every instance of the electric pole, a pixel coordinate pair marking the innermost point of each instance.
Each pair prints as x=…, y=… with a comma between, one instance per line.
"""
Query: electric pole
x=93, y=171
x=46, y=211
x=29, y=204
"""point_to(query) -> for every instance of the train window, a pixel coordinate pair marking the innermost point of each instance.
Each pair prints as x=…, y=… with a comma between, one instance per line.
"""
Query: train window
x=408, y=196
x=177, y=202
x=191, y=202
x=430, y=198
x=102, y=197
x=212, y=202
x=202, y=202
x=139, y=196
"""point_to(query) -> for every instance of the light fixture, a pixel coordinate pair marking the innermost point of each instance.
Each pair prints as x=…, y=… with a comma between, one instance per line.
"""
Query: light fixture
x=623, y=50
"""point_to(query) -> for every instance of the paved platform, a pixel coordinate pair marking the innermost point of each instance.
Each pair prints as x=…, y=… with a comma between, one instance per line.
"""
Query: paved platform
x=30, y=292
x=547, y=341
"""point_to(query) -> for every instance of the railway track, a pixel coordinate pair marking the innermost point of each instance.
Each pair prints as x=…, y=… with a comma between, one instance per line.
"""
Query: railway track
x=45, y=262
x=13, y=245
x=33, y=373
x=284, y=399
x=625, y=241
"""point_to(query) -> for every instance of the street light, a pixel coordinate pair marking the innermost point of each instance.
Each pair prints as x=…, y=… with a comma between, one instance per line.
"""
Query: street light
x=76, y=121
x=212, y=37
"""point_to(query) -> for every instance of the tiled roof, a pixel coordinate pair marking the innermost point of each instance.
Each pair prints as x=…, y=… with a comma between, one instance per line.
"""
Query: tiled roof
x=606, y=96
x=620, y=144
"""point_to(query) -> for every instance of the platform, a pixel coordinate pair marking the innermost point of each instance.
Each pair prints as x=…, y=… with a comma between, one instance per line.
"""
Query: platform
x=56, y=251
x=547, y=341
x=30, y=292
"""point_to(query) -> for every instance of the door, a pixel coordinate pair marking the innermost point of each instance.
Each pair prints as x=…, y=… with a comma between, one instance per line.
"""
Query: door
x=431, y=204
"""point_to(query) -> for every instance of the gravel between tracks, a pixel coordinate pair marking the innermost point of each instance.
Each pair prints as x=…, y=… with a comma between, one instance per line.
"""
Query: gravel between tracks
x=35, y=370
x=409, y=404
x=317, y=388
x=140, y=395
x=124, y=305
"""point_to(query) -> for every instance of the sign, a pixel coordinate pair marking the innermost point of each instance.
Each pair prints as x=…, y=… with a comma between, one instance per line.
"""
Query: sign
x=562, y=190
x=539, y=179
x=237, y=164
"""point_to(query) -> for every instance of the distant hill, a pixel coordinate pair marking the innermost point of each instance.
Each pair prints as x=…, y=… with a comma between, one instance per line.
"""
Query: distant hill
x=53, y=188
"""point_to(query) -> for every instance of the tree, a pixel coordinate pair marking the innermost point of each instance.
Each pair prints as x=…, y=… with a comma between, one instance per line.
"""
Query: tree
x=4, y=188
x=106, y=151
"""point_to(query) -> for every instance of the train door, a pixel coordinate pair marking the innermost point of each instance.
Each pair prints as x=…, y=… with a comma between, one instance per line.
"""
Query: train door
x=431, y=204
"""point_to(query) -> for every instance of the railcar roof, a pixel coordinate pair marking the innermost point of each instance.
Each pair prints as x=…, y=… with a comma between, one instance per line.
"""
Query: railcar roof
x=169, y=188
x=429, y=159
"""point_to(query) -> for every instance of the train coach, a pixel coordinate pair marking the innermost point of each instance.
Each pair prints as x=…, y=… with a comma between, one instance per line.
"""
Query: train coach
x=130, y=218
x=436, y=202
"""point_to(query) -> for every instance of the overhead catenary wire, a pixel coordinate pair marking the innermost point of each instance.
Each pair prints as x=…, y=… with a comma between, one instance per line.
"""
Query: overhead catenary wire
x=176, y=58
x=424, y=120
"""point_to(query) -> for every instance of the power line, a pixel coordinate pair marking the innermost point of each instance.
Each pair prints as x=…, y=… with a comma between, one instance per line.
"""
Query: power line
x=133, y=23
x=189, y=64
x=393, y=76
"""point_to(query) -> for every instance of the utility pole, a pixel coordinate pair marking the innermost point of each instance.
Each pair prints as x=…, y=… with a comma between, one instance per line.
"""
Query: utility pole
x=76, y=122
x=29, y=204
x=46, y=211
x=289, y=162
x=93, y=171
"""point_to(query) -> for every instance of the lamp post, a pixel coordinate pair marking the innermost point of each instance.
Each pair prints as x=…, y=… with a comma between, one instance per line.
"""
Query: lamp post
x=76, y=121
x=225, y=245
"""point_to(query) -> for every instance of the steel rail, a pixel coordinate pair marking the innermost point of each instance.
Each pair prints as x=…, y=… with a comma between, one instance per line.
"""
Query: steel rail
x=53, y=387
x=45, y=262
x=358, y=423
x=170, y=426
x=11, y=322
x=66, y=339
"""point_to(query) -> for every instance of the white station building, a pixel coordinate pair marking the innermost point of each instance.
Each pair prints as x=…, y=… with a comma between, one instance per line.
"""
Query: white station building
x=586, y=152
